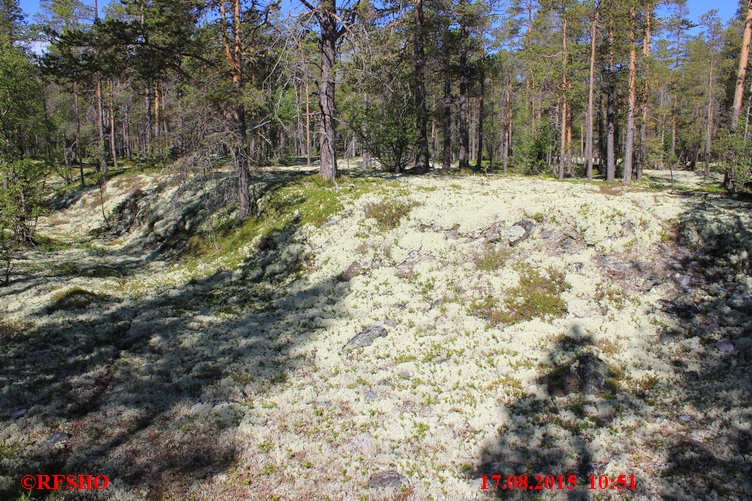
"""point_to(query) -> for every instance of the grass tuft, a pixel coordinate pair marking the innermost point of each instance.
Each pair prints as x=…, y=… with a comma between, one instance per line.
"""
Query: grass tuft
x=388, y=213
x=535, y=296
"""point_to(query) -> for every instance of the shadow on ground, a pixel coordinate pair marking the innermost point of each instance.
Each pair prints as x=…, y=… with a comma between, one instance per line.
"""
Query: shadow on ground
x=150, y=391
x=686, y=431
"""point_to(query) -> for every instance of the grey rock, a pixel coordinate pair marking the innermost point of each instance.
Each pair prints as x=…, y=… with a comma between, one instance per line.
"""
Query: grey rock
x=59, y=437
x=328, y=223
x=496, y=234
x=628, y=227
x=366, y=337
x=576, y=267
x=527, y=227
x=390, y=323
x=386, y=479
x=725, y=345
x=590, y=375
x=546, y=234
x=686, y=280
x=371, y=395
x=18, y=413
x=685, y=418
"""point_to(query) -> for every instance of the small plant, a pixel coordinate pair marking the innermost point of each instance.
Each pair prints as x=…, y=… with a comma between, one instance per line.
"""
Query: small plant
x=74, y=298
x=535, y=296
x=492, y=259
x=388, y=213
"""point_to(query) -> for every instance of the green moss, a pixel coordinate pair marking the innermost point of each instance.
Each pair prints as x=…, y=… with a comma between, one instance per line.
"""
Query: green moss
x=305, y=200
x=535, y=296
x=74, y=298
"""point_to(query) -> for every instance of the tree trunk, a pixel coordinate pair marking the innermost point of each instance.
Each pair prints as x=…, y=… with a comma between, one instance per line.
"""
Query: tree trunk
x=591, y=85
x=100, y=126
x=564, y=111
x=611, y=112
x=422, y=159
x=112, y=125
x=479, y=158
x=78, y=133
x=742, y=71
x=446, y=159
x=642, y=161
x=709, y=127
x=328, y=43
x=464, y=130
x=629, y=146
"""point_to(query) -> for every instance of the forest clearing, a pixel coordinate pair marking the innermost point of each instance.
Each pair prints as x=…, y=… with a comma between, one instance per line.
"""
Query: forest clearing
x=225, y=369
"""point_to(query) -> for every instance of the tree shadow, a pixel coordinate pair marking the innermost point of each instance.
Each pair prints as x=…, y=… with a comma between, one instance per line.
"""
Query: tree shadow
x=151, y=390
x=684, y=432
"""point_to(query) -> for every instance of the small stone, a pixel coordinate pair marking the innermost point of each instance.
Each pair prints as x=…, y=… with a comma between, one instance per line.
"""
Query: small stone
x=389, y=478
x=686, y=280
x=197, y=405
x=390, y=323
x=629, y=226
x=725, y=345
x=526, y=227
x=685, y=418
x=371, y=395
x=546, y=234
x=18, y=414
x=328, y=223
x=366, y=337
x=399, y=306
x=59, y=437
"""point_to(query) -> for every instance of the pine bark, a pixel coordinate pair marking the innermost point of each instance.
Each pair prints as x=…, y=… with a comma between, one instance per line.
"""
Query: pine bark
x=564, y=110
x=632, y=100
x=611, y=113
x=742, y=70
x=422, y=159
x=591, y=85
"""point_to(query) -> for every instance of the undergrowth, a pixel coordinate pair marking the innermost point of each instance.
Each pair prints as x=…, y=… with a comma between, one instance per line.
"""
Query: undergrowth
x=535, y=296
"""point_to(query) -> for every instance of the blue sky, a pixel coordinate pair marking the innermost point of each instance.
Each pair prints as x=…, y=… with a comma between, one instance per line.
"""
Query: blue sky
x=726, y=8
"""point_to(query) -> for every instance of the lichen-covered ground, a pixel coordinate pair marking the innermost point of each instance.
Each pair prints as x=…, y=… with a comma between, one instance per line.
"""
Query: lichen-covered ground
x=186, y=369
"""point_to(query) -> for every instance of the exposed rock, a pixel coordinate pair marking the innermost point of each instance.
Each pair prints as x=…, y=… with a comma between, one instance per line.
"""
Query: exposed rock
x=328, y=223
x=351, y=272
x=526, y=226
x=496, y=233
x=57, y=439
x=587, y=374
x=389, y=478
x=371, y=395
x=546, y=234
x=366, y=338
x=686, y=280
x=725, y=345
x=591, y=374
x=18, y=413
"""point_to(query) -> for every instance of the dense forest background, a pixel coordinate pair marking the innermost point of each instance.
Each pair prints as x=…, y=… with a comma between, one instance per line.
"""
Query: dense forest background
x=565, y=87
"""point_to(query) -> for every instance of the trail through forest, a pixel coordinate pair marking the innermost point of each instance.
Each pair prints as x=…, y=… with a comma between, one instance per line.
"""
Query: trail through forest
x=423, y=333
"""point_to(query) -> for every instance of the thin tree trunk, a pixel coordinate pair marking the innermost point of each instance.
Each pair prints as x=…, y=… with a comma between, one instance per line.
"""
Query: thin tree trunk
x=422, y=159
x=642, y=161
x=629, y=147
x=479, y=158
x=709, y=128
x=100, y=126
x=446, y=158
x=112, y=124
x=78, y=133
x=742, y=70
x=611, y=112
x=464, y=130
x=307, y=123
x=591, y=85
x=564, y=110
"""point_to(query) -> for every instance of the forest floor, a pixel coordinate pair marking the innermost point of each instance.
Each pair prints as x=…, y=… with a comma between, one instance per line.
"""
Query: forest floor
x=507, y=325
